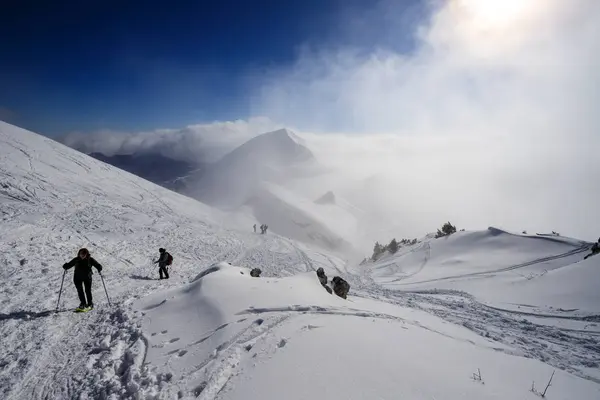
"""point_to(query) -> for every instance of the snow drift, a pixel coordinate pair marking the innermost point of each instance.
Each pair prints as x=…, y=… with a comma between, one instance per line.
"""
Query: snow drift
x=227, y=335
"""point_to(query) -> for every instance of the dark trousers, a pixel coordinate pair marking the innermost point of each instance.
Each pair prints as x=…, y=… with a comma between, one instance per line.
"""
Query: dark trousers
x=80, y=284
x=163, y=269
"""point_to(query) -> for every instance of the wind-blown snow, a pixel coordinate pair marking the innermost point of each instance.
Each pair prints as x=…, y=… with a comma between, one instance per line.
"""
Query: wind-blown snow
x=416, y=325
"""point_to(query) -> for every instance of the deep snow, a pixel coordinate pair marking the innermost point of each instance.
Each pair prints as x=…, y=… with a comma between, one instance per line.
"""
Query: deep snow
x=417, y=325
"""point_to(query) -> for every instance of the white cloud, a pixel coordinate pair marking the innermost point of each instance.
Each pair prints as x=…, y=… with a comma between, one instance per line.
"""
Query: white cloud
x=491, y=119
x=202, y=142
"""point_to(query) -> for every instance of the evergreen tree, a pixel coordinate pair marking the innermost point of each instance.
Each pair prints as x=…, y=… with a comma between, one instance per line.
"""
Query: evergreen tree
x=393, y=246
x=447, y=229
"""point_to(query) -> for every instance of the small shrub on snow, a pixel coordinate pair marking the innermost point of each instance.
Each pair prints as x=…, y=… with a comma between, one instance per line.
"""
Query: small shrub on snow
x=447, y=229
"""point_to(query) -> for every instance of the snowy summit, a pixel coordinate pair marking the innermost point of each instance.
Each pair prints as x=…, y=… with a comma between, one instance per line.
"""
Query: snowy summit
x=473, y=315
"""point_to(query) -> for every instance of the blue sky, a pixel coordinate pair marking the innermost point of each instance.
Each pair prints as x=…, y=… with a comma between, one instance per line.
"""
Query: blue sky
x=88, y=65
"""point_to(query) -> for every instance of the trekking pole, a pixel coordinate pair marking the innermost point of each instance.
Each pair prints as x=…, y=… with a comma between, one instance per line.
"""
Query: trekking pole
x=105, y=291
x=61, y=286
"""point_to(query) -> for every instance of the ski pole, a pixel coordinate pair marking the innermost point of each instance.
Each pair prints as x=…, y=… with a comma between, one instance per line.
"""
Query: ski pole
x=61, y=286
x=105, y=291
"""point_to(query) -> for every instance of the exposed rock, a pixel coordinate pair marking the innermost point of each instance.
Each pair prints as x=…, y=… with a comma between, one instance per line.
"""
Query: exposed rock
x=322, y=277
x=255, y=273
x=340, y=287
x=327, y=198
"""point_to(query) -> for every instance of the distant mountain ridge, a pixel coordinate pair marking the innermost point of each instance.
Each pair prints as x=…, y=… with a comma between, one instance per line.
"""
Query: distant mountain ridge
x=155, y=168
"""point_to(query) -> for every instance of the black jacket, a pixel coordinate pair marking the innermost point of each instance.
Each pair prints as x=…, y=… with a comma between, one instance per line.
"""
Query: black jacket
x=83, y=267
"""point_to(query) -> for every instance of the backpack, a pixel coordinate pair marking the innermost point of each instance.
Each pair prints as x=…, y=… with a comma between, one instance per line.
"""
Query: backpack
x=169, y=259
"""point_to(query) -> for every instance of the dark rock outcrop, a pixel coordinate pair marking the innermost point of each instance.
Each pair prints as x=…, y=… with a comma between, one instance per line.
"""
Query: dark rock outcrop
x=340, y=287
x=255, y=273
x=323, y=279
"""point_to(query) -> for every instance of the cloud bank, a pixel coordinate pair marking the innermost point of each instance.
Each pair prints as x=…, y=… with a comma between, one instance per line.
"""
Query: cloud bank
x=194, y=143
x=490, y=119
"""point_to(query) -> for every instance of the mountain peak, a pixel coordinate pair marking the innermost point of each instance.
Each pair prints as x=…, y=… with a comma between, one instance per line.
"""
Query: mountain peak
x=280, y=147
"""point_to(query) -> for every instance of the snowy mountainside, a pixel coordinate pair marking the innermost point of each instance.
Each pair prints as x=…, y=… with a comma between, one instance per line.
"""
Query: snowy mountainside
x=55, y=200
x=254, y=177
x=270, y=157
x=212, y=332
x=535, y=293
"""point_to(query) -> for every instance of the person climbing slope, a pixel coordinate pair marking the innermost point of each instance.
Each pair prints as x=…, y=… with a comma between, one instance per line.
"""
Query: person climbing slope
x=82, y=278
x=163, y=261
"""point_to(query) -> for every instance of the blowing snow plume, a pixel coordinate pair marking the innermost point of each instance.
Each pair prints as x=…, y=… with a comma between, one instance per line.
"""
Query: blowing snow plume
x=487, y=116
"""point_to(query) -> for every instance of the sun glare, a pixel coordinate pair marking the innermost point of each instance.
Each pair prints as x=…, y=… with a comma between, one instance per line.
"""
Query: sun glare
x=495, y=14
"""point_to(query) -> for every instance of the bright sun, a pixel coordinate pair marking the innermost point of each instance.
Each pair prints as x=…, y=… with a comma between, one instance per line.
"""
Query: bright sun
x=493, y=14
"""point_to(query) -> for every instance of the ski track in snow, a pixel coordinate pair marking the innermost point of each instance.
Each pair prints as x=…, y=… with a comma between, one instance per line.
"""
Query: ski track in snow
x=573, y=350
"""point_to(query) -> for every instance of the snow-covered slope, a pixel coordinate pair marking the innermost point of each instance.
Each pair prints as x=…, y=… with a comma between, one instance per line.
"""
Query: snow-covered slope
x=494, y=264
x=253, y=179
x=271, y=157
x=535, y=293
x=229, y=336
x=213, y=332
x=54, y=200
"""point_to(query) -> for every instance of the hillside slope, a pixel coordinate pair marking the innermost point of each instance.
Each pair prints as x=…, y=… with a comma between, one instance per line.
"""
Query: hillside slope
x=213, y=332
x=55, y=200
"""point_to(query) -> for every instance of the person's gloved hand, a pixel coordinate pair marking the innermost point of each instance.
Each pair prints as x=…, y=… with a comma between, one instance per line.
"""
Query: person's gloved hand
x=99, y=269
x=65, y=266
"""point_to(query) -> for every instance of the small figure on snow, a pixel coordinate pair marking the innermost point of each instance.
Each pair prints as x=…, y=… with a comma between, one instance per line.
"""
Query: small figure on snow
x=595, y=249
x=82, y=277
x=262, y=229
x=254, y=228
x=163, y=261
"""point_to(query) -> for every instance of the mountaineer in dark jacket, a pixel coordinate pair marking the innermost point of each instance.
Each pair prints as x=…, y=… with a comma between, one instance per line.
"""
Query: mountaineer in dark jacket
x=82, y=277
x=162, y=263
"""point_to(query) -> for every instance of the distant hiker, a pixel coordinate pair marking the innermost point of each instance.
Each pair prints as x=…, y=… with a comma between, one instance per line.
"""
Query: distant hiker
x=262, y=229
x=595, y=249
x=254, y=228
x=163, y=261
x=82, y=277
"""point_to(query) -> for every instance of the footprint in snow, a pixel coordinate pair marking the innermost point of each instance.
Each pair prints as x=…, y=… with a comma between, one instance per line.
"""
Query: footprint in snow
x=163, y=332
x=282, y=343
x=174, y=340
x=182, y=353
